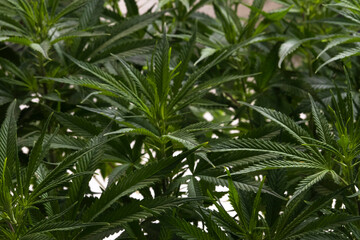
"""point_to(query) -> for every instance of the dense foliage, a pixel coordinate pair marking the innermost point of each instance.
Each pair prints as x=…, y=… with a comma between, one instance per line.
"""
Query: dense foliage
x=173, y=106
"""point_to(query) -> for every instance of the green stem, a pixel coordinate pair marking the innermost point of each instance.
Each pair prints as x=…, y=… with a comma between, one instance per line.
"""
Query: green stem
x=350, y=172
x=42, y=72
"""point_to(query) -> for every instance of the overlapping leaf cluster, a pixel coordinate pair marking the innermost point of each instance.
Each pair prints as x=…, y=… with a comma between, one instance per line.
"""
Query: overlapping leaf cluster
x=238, y=122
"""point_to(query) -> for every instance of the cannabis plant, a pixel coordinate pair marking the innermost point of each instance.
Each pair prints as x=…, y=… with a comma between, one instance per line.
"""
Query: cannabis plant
x=253, y=216
x=36, y=36
x=28, y=209
x=32, y=195
x=169, y=105
x=350, y=12
x=327, y=152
